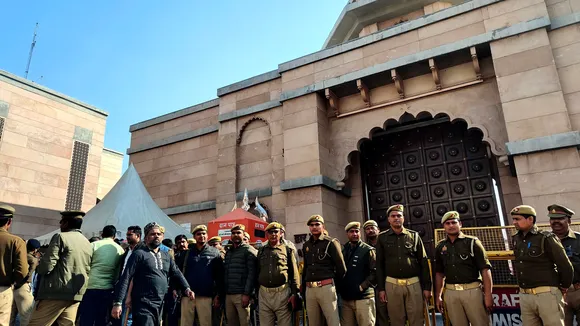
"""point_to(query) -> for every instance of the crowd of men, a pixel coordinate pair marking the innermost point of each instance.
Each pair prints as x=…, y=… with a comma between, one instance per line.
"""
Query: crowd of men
x=385, y=280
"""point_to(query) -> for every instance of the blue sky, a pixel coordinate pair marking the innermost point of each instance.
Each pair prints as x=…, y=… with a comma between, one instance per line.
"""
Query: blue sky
x=140, y=59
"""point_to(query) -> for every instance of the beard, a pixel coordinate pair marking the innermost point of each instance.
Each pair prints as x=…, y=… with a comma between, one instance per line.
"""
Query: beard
x=154, y=244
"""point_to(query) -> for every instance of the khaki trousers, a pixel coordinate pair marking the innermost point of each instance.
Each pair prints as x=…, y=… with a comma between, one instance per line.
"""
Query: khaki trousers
x=358, y=312
x=405, y=302
x=237, y=316
x=321, y=304
x=23, y=304
x=465, y=307
x=545, y=309
x=572, y=308
x=201, y=306
x=49, y=311
x=274, y=307
x=5, y=305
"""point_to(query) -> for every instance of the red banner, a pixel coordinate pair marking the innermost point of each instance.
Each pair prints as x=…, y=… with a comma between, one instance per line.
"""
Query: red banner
x=506, y=307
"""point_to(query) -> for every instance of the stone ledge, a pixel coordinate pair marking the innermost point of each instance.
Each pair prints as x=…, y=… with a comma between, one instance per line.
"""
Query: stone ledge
x=203, y=206
x=264, y=192
x=265, y=77
x=564, y=21
x=497, y=34
x=51, y=94
x=173, y=139
x=174, y=115
x=248, y=111
x=385, y=34
x=546, y=143
x=317, y=180
x=114, y=152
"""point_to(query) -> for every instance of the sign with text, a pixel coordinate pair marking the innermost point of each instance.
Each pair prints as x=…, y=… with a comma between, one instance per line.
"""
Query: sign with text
x=506, y=307
x=225, y=233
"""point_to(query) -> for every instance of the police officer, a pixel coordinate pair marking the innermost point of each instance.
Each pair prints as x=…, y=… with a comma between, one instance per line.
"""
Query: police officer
x=216, y=242
x=323, y=265
x=404, y=279
x=543, y=270
x=560, y=218
x=357, y=287
x=278, y=279
x=63, y=269
x=14, y=267
x=217, y=314
x=240, y=275
x=371, y=229
x=462, y=263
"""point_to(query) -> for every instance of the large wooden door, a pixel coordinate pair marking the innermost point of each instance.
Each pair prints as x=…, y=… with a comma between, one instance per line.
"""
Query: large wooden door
x=431, y=170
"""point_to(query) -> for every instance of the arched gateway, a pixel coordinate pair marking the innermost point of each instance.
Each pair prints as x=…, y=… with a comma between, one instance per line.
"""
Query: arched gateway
x=431, y=165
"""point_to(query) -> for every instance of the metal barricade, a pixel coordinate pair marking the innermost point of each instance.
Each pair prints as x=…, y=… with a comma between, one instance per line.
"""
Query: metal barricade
x=497, y=241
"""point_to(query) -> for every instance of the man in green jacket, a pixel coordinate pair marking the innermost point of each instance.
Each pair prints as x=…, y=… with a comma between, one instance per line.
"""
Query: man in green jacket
x=64, y=272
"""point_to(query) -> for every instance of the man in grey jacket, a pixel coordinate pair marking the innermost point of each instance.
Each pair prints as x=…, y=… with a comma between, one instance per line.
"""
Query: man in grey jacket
x=240, y=274
x=64, y=273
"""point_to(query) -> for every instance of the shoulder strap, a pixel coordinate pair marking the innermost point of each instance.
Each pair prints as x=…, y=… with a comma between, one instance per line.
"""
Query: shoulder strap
x=186, y=258
x=416, y=235
x=472, y=245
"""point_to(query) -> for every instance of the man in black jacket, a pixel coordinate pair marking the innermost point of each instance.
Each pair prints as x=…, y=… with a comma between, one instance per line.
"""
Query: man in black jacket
x=203, y=269
x=240, y=274
x=356, y=289
x=149, y=269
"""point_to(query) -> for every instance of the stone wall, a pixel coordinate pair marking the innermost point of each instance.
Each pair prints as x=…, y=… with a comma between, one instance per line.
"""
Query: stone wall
x=111, y=171
x=39, y=130
x=180, y=173
x=277, y=133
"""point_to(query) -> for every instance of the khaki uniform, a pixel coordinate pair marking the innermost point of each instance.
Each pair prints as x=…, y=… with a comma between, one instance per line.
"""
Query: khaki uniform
x=542, y=268
x=23, y=299
x=63, y=271
x=461, y=262
x=13, y=269
x=571, y=243
x=357, y=287
x=323, y=263
x=403, y=272
x=278, y=279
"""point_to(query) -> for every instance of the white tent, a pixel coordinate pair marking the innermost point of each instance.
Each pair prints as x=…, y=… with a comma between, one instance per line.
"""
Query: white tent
x=128, y=203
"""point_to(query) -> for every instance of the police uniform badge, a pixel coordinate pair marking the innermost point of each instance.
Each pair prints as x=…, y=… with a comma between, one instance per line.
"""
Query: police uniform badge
x=444, y=249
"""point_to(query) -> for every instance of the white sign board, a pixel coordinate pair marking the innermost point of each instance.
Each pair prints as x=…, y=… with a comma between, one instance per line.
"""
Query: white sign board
x=224, y=233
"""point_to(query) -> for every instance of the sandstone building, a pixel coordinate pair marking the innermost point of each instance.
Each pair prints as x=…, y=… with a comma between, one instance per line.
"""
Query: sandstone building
x=472, y=106
x=51, y=155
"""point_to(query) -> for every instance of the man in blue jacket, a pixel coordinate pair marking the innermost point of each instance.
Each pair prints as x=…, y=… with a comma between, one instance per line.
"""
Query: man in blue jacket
x=203, y=269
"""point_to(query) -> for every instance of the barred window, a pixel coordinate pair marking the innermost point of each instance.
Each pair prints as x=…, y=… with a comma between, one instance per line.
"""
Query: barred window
x=1, y=127
x=78, y=171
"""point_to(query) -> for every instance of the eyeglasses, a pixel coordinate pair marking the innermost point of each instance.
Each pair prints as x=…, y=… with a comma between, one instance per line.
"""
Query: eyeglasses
x=273, y=231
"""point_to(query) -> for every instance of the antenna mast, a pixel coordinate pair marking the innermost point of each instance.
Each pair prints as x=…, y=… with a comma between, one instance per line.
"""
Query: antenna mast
x=31, y=49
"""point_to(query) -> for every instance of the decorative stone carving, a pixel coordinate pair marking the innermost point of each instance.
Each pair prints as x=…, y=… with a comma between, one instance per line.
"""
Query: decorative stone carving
x=332, y=100
x=398, y=83
x=435, y=73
